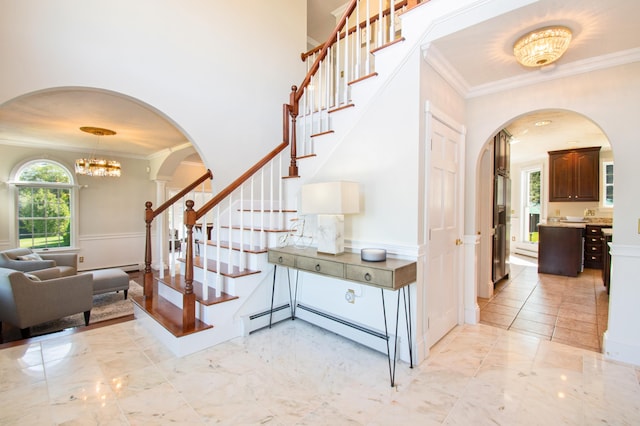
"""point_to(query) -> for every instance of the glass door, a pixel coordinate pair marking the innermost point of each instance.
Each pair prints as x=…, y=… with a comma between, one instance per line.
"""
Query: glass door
x=531, y=206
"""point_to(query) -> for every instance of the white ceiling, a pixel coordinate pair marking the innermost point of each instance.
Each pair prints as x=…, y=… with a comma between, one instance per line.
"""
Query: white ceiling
x=604, y=33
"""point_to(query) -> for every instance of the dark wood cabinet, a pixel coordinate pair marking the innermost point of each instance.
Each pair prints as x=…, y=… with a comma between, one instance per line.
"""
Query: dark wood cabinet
x=501, y=206
x=574, y=175
x=593, y=249
x=606, y=261
x=560, y=250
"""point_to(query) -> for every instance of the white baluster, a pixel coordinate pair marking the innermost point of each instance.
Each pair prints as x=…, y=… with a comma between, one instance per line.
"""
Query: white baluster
x=218, y=274
x=242, y=260
x=380, y=26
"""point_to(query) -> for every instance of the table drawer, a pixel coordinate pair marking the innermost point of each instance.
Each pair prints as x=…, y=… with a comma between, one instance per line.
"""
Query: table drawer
x=282, y=259
x=325, y=267
x=593, y=258
x=379, y=277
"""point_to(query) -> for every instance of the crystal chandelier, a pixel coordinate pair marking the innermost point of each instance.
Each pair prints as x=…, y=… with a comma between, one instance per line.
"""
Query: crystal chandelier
x=542, y=47
x=97, y=166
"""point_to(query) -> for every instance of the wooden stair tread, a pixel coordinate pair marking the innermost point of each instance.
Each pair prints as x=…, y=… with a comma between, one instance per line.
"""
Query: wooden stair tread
x=236, y=246
x=178, y=284
x=224, y=268
x=168, y=315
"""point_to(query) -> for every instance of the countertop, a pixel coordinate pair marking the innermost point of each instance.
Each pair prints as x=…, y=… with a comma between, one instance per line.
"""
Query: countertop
x=565, y=224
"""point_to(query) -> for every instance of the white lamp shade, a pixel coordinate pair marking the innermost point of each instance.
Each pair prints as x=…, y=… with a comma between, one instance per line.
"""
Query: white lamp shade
x=330, y=198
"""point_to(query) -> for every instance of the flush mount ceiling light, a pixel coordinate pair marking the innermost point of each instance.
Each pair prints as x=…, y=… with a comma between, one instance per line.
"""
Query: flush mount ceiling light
x=542, y=47
x=97, y=166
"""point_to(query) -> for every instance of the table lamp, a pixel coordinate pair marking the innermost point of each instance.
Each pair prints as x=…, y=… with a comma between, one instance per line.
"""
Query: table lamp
x=330, y=201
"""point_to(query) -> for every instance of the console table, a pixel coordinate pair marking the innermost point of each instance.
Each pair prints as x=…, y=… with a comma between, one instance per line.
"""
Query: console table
x=392, y=274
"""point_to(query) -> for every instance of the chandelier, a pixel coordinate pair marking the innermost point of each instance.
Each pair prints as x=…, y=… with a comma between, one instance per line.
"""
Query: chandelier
x=542, y=47
x=97, y=166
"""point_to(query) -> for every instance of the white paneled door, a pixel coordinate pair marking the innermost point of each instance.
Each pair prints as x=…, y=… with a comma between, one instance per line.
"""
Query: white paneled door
x=443, y=272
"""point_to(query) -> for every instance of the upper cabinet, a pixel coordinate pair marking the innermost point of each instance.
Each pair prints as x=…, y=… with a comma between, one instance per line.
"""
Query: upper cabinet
x=574, y=175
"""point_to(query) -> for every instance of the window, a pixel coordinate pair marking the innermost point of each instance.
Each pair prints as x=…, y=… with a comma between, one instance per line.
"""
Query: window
x=44, y=200
x=607, y=187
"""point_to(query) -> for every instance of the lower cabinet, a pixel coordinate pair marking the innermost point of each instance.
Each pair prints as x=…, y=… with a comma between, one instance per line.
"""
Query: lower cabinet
x=593, y=250
x=560, y=250
x=606, y=261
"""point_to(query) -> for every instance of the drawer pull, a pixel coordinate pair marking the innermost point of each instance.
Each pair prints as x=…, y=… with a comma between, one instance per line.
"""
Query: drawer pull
x=367, y=277
x=318, y=267
x=280, y=259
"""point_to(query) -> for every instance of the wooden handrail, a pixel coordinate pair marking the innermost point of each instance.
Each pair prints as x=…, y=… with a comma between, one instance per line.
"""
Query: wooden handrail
x=362, y=24
x=236, y=183
x=323, y=52
x=185, y=191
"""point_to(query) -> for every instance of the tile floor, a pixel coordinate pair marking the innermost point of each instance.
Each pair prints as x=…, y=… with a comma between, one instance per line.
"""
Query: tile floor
x=298, y=374
x=567, y=310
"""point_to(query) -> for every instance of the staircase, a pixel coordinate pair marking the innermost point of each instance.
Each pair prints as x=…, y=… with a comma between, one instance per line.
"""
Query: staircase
x=222, y=287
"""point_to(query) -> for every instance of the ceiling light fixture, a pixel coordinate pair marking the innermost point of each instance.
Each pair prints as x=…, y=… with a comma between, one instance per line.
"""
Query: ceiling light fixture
x=542, y=123
x=97, y=166
x=542, y=47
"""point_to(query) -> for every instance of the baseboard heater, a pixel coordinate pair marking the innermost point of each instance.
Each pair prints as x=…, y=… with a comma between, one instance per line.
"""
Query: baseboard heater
x=343, y=321
x=262, y=314
x=525, y=251
x=359, y=333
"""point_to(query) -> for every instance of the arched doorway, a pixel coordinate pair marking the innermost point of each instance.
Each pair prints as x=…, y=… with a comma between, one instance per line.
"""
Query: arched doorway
x=522, y=300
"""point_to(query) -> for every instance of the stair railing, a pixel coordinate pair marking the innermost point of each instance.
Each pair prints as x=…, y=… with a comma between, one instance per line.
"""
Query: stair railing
x=149, y=215
x=263, y=185
x=332, y=68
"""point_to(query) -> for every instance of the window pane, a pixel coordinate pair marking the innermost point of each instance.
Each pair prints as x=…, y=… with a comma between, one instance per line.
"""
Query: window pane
x=44, y=213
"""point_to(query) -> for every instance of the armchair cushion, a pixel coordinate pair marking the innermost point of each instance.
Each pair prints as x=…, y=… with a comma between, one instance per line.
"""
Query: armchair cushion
x=30, y=256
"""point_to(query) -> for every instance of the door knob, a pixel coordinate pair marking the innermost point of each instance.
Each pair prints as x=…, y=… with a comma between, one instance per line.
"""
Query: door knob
x=458, y=242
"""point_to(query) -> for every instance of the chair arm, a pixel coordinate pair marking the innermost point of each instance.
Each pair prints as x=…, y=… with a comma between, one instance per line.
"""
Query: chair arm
x=62, y=259
x=47, y=274
x=40, y=301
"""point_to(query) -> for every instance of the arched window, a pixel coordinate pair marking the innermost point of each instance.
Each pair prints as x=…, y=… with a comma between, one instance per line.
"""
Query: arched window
x=44, y=205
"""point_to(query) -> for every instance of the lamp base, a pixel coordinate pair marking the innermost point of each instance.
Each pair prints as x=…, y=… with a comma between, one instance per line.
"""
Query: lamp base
x=330, y=233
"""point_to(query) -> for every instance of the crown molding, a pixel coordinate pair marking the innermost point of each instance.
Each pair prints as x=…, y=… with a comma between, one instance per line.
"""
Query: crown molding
x=439, y=63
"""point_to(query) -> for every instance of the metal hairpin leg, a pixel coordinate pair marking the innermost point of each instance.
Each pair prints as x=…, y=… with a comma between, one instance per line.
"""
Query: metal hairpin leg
x=273, y=292
x=392, y=370
x=292, y=300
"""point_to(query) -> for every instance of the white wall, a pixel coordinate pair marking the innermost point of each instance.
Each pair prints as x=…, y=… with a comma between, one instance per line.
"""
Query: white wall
x=611, y=99
x=199, y=62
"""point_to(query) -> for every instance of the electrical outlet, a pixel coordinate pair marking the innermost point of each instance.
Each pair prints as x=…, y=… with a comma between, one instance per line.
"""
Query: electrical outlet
x=350, y=296
x=513, y=238
x=81, y=259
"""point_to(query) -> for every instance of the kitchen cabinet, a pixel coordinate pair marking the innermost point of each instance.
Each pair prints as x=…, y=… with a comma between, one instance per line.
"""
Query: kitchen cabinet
x=606, y=259
x=501, y=207
x=574, y=175
x=560, y=250
x=593, y=249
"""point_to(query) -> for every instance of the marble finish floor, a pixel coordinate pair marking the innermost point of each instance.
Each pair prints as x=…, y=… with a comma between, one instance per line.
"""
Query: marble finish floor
x=298, y=374
x=567, y=310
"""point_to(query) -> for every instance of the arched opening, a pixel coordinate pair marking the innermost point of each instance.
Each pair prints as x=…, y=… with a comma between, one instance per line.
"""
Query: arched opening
x=575, y=310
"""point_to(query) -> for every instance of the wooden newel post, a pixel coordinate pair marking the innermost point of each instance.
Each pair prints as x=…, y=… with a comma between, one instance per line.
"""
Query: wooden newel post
x=148, y=274
x=189, y=297
x=293, y=111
